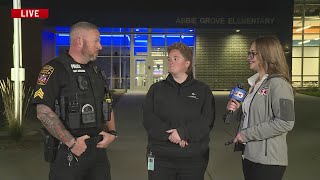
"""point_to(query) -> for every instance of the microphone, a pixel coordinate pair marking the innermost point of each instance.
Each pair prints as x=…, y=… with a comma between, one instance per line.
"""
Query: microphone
x=238, y=93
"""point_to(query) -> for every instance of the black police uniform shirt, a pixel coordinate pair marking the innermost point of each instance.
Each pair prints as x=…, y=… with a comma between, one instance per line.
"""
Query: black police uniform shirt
x=54, y=77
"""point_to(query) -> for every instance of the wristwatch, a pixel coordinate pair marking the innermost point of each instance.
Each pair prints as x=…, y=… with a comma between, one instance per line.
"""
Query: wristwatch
x=113, y=132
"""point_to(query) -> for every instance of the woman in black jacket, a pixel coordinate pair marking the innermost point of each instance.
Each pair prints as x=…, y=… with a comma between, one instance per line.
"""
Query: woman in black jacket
x=178, y=116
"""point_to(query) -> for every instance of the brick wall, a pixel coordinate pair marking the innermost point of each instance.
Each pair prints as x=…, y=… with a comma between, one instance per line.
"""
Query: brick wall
x=220, y=57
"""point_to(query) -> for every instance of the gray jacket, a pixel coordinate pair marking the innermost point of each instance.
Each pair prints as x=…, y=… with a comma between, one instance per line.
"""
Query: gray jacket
x=271, y=116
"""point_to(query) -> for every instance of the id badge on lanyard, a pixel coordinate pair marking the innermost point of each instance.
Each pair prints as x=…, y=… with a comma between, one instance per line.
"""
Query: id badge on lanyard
x=151, y=161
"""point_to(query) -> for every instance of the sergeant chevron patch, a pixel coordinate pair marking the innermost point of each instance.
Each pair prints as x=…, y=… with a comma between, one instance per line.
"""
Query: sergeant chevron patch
x=39, y=93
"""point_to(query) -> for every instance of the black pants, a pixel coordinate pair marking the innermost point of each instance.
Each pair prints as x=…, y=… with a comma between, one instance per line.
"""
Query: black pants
x=256, y=171
x=192, y=168
x=93, y=164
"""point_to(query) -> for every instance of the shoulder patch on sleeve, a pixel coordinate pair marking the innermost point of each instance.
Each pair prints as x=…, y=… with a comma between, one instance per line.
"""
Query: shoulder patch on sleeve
x=45, y=74
x=39, y=93
x=287, y=110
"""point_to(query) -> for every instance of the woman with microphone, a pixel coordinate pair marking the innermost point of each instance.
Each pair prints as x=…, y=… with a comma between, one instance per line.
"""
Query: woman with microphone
x=267, y=113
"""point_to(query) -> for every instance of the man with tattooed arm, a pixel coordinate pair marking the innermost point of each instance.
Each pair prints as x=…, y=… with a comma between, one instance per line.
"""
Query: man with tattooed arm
x=75, y=107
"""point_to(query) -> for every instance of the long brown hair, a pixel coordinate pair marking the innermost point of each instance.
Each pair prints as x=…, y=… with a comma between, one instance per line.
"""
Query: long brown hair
x=273, y=60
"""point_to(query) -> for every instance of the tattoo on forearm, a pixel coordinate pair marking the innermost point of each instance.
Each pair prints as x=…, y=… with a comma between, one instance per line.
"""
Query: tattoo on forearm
x=52, y=123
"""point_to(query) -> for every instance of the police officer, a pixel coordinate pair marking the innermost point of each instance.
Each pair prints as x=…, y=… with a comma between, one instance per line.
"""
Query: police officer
x=74, y=106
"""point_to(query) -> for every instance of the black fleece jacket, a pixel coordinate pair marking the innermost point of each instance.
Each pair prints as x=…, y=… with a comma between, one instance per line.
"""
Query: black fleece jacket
x=188, y=107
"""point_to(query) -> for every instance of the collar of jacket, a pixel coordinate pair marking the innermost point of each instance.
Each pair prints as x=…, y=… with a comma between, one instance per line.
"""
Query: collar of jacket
x=70, y=58
x=276, y=75
x=187, y=82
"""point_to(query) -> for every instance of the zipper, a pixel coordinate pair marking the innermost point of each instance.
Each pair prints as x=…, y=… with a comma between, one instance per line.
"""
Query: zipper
x=254, y=97
x=265, y=152
x=266, y=148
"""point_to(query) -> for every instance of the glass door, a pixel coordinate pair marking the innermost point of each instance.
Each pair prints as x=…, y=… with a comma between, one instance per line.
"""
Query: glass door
x=159, y=69
x=140, y=81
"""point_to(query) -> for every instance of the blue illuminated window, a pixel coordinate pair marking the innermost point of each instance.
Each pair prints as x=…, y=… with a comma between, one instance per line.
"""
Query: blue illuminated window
x=174, y=30
x=62, y=40
x=140, y=51
x=141, y=40
x=119, y=39
x=106, y=30
x=63, y=29
x=188, y=39
x=187, y=30
x=140, y=44
x=66, y=29
x=158, y=40
x=120, y=29
x=47, y=36
x=105, y=40
x=173, y=38
x=159, y=30
x=127, y=41
x=140, y=30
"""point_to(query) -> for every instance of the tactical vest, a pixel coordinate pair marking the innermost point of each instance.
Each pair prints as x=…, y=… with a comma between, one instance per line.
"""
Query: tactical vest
x=83, y=95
